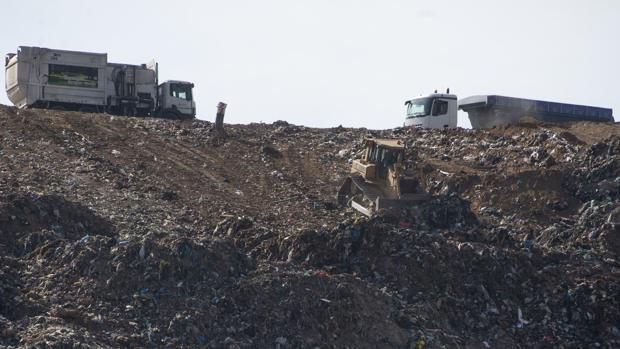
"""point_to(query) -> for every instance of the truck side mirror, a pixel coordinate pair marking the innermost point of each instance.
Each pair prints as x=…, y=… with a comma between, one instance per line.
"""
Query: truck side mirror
x=8, y=57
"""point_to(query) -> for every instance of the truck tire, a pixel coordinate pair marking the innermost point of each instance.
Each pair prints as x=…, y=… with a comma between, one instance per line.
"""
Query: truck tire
x=128, y=110
x=88, y=110
x=172, y=114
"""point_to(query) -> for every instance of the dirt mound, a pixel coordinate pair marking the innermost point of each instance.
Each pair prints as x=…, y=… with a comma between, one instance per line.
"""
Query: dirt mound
x=470, y=289
x=26, y=221
x=139, y=232
x=9, y=289
x=598, y=176
x=152, y=279
x=295, y=309
x=52, y=332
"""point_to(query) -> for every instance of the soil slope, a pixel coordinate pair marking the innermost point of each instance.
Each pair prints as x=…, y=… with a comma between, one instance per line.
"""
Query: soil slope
x=130, y=232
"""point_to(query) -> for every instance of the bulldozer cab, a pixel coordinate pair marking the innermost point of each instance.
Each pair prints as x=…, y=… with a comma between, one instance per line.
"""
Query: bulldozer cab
x=382, y=160
x=385, y=154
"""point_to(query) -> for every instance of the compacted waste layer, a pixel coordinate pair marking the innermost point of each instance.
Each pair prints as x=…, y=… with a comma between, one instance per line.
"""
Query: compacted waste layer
x=140, y=232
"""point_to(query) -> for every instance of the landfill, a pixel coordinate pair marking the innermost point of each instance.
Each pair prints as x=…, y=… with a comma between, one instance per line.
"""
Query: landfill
x=151, y=233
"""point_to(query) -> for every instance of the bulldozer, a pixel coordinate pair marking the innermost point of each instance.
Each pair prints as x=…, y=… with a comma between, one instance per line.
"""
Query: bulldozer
x=381, y=179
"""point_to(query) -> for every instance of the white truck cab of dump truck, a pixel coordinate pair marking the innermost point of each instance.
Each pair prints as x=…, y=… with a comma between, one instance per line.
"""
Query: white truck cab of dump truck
x=436, y=110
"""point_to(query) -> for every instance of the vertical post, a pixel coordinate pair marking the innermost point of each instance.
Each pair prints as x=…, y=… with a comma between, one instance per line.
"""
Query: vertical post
x=156, y=87
x=219, y=117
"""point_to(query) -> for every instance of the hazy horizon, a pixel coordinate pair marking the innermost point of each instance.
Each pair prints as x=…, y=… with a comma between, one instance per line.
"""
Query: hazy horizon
x=325, y=64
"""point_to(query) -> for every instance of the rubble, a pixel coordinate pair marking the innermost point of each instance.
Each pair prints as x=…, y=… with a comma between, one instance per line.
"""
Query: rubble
x=136, y=232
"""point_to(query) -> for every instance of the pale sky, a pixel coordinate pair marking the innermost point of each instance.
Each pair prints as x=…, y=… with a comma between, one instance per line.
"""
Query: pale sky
x=325, y=63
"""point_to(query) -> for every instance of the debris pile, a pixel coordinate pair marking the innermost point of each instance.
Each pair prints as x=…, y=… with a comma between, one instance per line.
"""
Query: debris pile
x=130, y=232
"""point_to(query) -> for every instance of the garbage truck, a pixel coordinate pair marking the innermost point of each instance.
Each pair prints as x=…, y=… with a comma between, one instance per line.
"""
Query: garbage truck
x=39, y=77
x=439, y=110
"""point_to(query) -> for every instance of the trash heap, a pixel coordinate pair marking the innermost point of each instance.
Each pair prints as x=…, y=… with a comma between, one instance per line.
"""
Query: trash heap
x=139, y=232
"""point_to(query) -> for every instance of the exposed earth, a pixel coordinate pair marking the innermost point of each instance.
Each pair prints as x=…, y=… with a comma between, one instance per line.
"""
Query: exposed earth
x=133, y=232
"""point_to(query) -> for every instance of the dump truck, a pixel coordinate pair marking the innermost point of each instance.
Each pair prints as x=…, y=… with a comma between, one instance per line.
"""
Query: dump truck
x=39, y=77
x=381, y=179
x=439, y=110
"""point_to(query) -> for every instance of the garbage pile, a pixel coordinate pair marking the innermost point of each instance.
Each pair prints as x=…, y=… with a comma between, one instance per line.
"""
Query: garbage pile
x=130, y=232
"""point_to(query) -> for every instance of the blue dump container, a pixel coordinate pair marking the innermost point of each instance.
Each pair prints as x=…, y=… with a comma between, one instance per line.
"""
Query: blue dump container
x=490, y=110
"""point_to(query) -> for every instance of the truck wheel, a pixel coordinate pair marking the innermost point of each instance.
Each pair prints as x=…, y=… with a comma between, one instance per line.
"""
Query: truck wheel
x=172, y=114
x=129, y=110
x=88, y=110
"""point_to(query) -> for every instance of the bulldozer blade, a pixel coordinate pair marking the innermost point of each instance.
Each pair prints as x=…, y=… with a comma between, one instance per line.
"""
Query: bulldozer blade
x=367, y=197
x=344, y=193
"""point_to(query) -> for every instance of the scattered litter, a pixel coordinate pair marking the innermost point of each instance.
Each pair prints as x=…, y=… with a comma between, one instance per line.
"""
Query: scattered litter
x=190, y=241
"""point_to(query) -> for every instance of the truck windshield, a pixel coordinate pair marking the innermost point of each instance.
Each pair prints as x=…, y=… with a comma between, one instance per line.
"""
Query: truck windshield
x=419, y=107
x=182, y=91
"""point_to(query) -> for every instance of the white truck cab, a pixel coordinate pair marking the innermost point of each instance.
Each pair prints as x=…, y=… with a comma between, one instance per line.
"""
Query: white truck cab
x=436, y=110
x=176, y=99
